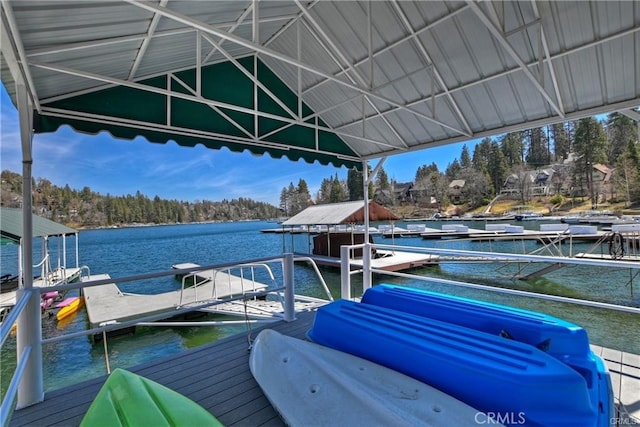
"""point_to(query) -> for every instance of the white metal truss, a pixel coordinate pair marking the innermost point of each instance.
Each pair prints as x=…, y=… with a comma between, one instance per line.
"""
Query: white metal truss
x=436, y=76
x=323, y=39
x=193, y=98
x=357, y=89
x=284, y=58
x=499, y=36
x=517, y=69
x=16, y=57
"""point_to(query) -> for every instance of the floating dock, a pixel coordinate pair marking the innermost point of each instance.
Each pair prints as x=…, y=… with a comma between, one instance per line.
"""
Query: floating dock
x=547, y=233
x=385, y=260
x=107, y=303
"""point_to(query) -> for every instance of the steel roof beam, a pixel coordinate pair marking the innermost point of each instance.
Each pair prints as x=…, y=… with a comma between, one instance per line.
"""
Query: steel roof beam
x=213, y=107
x=342, y=67
x=50, y=50
x=145, y=42
x=322, y=35
x=16, y=56
x=281, y=57
x=504, y=73
x=395, y=44
x=253, y=78
x=197, y=99
x=547, y=55
x=436, y=73
x=499, y=36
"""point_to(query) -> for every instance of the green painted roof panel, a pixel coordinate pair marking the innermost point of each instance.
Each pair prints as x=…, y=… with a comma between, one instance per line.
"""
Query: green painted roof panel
x=11, y=225
x=224, y=116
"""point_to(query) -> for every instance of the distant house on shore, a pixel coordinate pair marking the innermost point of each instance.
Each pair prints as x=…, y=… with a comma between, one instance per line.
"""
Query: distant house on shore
x=455, y=190
x=532, y=183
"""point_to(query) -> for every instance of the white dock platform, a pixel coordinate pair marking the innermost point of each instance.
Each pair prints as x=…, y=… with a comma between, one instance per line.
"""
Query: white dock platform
x=107, y=303
x=59, y=276
x=386, y=260
x=264, y=309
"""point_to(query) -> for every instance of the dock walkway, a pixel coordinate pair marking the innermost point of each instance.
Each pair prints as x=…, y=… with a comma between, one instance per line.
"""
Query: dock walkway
x=217, y=376
x=106, y=303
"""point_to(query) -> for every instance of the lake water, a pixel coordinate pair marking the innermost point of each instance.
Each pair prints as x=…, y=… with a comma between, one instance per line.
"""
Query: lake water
x=138, y=250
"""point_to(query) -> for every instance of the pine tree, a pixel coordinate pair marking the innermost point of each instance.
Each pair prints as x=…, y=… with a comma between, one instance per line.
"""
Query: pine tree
x=538, y=148
x=355, y=184
x=590, y=147
x=382, y=180
x=561, y=141
x=620, y=130
x=337, y=191
x=465, y=158
x=303, y=197
x=512, y=146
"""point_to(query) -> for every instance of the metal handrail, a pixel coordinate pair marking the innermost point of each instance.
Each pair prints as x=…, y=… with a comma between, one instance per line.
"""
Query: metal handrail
x=35, y=292
x=6, y=410
x=241, y=267
x=13, y=315
x=317, y=270
x=346, y=277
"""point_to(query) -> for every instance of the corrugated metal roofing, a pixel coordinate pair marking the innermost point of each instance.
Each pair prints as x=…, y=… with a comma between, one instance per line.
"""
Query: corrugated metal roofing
x=11, y=225
x=340, y=213
x=386, y=77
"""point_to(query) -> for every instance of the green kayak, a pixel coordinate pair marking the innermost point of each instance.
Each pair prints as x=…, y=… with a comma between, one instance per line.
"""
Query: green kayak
x=127, y=399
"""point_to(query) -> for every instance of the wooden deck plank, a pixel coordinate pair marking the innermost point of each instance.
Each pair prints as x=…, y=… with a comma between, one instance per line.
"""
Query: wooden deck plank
x=630, y=386
x=613, y=360
x=217, y=376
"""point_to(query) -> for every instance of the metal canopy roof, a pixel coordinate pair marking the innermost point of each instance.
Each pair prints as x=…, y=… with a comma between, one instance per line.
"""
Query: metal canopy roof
x=11, y=225
x=340, y=213
x=333, y=81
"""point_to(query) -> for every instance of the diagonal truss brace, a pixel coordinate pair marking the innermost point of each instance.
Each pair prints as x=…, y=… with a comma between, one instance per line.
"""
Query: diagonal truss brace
x=499, y=36
x=281, y=57
x=201, y=100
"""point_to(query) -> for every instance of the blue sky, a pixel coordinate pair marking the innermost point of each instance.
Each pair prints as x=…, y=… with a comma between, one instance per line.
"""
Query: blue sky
x=119, y=167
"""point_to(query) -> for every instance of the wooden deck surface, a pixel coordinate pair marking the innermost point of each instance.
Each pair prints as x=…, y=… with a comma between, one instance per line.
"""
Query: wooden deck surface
x=217, y=376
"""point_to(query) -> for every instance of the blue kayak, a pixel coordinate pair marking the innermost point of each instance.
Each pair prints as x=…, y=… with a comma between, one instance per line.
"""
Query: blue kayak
x=563, y=340
x=521, y=383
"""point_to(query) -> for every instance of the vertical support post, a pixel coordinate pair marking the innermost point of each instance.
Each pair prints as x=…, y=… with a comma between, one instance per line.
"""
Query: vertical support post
x=289, y=289
x=366, y=250
x=31, y=388
x=77, y=250
x=345, y=273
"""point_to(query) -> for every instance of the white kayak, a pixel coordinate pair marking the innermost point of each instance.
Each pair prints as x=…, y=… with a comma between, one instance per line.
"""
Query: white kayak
x=312, y=385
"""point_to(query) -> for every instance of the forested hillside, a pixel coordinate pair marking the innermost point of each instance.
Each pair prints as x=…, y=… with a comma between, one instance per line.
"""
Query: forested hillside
x=592, y=159
x=86, y=208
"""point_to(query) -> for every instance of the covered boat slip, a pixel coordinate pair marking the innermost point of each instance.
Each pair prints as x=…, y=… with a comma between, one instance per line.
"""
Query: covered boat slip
x=228, y=390
x=53, y=266
x=338, y=82
x=330, y=226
